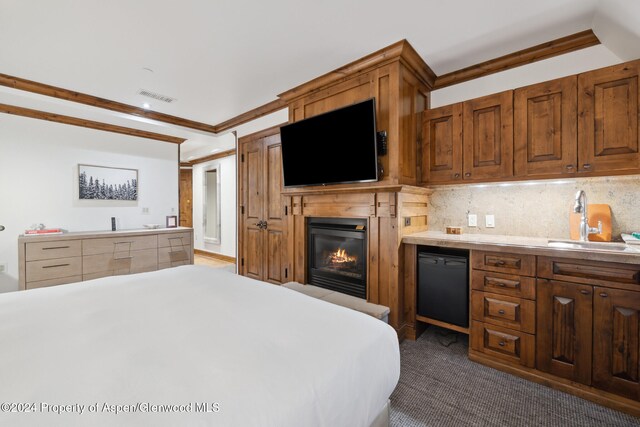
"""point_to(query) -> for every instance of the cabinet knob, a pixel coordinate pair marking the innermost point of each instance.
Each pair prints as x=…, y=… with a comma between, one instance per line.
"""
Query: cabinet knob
x=501, y=344
x=569, y=167
x=585, y=292
x=501, y=311
x=467, y=174
x=456, y=175
x=586, y=166
x=604, y=294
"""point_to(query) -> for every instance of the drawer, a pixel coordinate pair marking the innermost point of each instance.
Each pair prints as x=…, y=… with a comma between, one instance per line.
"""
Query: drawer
x=174, y=239
x=121, y=262
x=524, y=265
x=502, y=343
x=53, y=282
x=174, y=254
x=53, y=269
x=505, y=284
x=510, y=312
x=109, y=245
x=588, y=272
x=50, y=250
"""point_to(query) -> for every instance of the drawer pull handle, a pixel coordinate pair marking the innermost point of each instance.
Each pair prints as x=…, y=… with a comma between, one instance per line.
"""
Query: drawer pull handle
x=501, y=344
x=55, y=266
x=584, y=292
x=604, y=294
x=123, y=243
x=123, y=257
x=500, y=262
x=586, y=166
x=501, y=311
x=56, y=247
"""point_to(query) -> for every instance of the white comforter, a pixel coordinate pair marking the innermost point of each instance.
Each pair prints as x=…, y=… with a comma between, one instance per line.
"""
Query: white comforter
x=194, y=338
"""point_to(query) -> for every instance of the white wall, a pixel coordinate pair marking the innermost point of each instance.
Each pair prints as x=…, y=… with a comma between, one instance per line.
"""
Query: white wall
x=549, y=69
x=38, y=181
x=227, y=168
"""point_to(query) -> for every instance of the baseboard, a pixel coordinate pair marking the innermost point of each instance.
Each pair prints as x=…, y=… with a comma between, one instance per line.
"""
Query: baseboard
x=214, y=255
x=600, y=397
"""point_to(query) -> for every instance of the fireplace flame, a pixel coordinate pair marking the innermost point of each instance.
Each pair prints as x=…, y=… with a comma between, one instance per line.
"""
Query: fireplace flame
x=341, y=256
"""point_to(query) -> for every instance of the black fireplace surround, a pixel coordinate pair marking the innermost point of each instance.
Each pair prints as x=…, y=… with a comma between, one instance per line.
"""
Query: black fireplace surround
x=337, y=255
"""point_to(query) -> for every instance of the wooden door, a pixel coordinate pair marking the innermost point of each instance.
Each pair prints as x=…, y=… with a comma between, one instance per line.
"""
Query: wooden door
x=488, y=137
x=616, y=334
x=274, y=213
x=545, y=128
x=253, y=205
x=263, y=244
x=442, y=144
x=564, y=322
x=186, y=197
x=608, y=119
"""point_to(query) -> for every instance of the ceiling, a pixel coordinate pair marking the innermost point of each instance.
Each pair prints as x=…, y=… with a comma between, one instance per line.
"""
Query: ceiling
x=221, y=58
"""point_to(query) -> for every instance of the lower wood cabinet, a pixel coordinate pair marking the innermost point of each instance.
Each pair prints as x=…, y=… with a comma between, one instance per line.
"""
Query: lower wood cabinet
x=503, y=343
x=74, y=257
x=563, y=342
x=616, y=335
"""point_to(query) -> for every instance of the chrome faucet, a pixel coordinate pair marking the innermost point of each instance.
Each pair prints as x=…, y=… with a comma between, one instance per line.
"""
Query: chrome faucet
x=581, y=208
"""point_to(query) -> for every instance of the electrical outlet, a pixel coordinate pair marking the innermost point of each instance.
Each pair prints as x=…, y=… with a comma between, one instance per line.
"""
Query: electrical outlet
x=473, y=220
x=145, y=211
x=4, y=267
x=407, y=221
x=490, y=221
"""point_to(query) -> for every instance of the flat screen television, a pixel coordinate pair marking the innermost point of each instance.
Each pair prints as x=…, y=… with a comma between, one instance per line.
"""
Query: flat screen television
x=334, y=147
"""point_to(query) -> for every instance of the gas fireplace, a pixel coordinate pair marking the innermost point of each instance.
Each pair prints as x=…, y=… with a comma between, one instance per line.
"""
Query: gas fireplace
x=337, y=251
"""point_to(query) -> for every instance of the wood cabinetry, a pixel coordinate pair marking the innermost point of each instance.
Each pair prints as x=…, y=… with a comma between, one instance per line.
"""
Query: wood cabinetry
x=74, y=257
x=545, y=128
x=488, y=137
x=262, y=230
x=468, y=141
x=608, y=119
x=503, y=306
x=564, y=330
x=581, y=125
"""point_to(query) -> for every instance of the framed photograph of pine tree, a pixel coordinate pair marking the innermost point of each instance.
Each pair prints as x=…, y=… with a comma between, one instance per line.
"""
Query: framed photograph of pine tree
x=107, y=183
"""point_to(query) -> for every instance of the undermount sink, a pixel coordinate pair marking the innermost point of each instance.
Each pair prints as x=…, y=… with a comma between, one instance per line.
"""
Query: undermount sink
x=597, y=246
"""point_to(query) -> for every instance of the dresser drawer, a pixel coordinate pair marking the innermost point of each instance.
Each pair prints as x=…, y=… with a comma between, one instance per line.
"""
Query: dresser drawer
x=502, y=343
x=53, y=282
x=51, y=250
x=174, y=239
x=53, y=269
x=109, y=245
x=524, y=265
x=588, y=272
x=505, y=284
x=174, y=254
x=502, y=310
x=120, y=262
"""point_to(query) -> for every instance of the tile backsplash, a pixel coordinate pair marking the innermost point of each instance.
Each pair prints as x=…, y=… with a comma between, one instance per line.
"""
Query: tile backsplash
x=534, y=208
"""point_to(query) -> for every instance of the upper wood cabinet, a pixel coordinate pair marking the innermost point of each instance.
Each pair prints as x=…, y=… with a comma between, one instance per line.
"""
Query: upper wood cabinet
x=442, y=144
x=545, y=128
x=608, y=119
x=488, y=137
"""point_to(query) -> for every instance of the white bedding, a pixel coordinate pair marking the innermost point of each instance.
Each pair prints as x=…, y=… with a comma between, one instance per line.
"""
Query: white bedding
x=260, y=354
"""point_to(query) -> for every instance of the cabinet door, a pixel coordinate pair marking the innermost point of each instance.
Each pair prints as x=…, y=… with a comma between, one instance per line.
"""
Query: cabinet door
x=564, y=321
x=608, y=119
x=488, y=137
x=616, y=335
x=274, y=234
x=442, y=144
x=253, y=202
x=545, y=128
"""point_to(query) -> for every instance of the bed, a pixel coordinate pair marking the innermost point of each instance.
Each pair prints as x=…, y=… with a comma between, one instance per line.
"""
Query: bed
x=194, y=346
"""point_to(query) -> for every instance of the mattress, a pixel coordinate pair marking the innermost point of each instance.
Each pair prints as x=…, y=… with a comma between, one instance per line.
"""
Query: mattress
x=190, y=345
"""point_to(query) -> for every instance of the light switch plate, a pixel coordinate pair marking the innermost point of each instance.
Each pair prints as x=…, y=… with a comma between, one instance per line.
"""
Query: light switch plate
x=473, y=220
x=490, y=221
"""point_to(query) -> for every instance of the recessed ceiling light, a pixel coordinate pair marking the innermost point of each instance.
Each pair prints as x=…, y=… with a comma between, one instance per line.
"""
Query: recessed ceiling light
x=146, y=106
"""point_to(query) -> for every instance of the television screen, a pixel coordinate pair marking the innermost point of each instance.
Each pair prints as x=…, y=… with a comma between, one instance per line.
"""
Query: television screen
x=335, y=147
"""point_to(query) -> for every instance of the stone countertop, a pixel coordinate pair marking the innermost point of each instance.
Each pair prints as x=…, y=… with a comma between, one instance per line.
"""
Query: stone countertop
x=521, y=245
x=72, y=235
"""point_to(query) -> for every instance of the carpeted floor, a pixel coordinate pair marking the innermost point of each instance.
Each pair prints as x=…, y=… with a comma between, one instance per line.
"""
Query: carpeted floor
x=440, y=386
